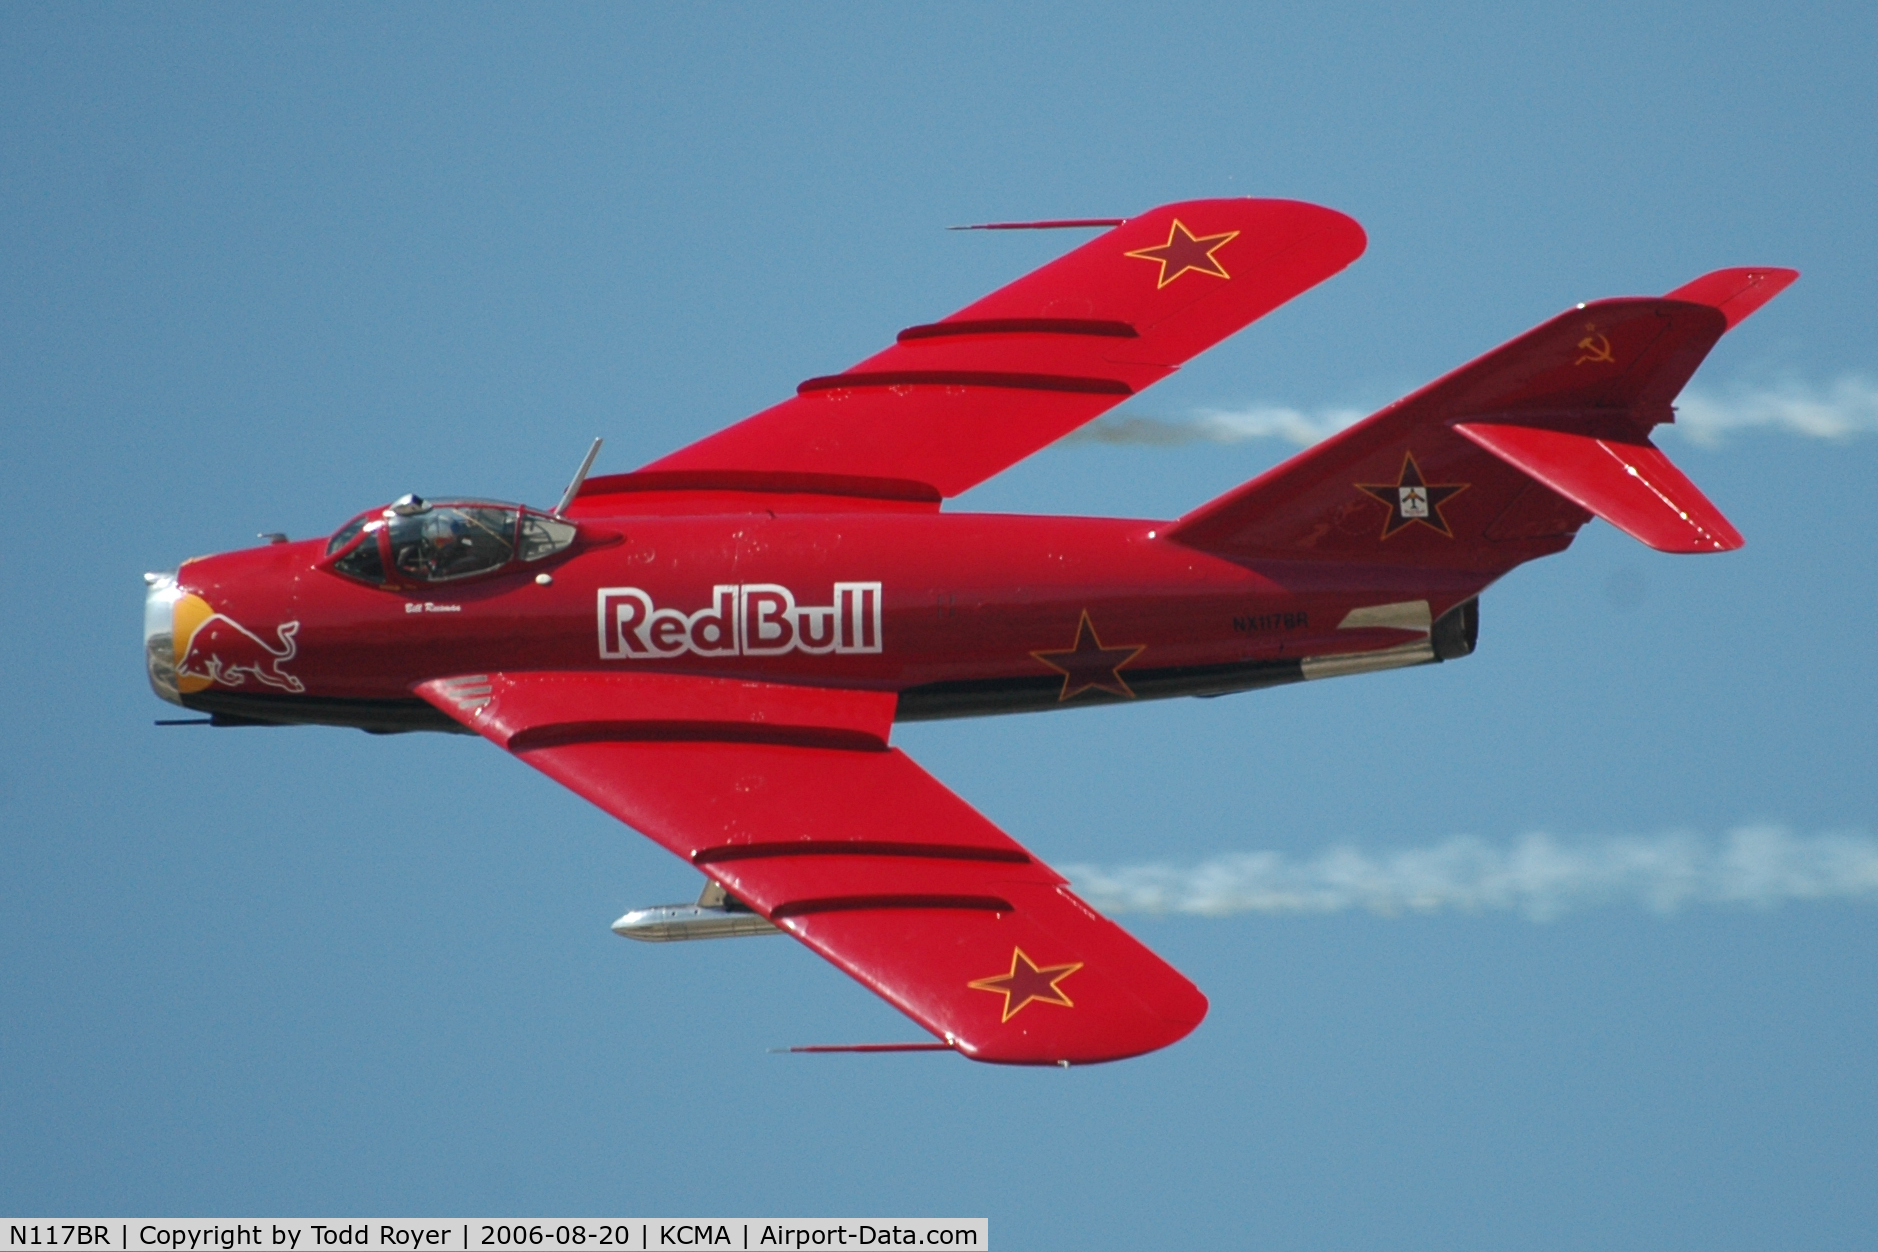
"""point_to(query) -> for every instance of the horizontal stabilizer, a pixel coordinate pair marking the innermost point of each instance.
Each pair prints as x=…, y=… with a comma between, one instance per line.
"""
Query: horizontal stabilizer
x=1627, y=482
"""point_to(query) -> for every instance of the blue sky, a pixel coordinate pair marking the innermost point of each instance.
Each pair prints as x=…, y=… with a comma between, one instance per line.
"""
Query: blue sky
x=263, y=268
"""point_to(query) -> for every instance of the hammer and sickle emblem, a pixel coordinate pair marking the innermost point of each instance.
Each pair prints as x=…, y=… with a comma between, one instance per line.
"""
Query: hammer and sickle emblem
x=1594, y=350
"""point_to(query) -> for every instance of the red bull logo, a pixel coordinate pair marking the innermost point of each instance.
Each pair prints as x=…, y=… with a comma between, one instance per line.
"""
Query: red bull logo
x=751, y=619
x=215, y=649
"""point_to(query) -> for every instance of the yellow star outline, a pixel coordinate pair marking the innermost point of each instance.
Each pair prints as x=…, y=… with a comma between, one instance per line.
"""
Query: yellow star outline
x=1412, y=499
x=1028, y=982
x=1185, y=251
x=1086, y=663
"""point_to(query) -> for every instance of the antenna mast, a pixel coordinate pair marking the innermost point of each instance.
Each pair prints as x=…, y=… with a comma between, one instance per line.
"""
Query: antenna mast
x=580, y=476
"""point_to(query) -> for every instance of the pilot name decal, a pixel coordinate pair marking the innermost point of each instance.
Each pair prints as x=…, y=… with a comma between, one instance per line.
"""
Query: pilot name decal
x=748, y=619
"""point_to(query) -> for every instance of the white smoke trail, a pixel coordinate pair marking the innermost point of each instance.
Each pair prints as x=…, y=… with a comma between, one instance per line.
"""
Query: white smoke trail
x=1218, y=426
x=1847, y=408
x=1758, y=866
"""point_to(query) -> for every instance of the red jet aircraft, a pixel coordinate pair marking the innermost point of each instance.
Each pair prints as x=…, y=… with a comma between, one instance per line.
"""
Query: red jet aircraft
x=714, y=648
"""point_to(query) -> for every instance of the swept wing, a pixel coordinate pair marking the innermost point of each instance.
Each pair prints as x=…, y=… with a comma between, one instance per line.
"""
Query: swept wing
x=792, y=799
x=955, y=401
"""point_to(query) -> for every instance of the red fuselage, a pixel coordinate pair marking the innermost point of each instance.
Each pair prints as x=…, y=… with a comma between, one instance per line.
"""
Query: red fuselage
x=958, y=614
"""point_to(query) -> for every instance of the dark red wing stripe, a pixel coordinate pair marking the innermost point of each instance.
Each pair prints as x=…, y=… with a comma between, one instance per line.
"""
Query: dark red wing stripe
x=859, y=847
x=967, y=378
x=703, y=730
x=774, y=481
x=1020, y=326
x=851, y=904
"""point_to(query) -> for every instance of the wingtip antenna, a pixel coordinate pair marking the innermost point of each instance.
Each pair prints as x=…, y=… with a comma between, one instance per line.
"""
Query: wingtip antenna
x=1068, y=223
x=868, y=1047
x=580, y=476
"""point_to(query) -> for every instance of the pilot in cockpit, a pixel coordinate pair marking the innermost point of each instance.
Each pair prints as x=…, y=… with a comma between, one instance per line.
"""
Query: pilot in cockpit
x=440, y=543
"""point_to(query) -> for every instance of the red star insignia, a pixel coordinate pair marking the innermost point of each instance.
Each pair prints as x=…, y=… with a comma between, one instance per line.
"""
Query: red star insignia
x=1027, y=983
x=1184, y=251
x=1411, y=499
x=1089, y=664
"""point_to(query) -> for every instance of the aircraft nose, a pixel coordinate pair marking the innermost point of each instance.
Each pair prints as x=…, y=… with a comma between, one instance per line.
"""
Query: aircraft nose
x=159, y=634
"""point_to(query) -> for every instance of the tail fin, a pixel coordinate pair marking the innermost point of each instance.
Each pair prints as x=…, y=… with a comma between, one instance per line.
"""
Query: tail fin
x=1505, y=458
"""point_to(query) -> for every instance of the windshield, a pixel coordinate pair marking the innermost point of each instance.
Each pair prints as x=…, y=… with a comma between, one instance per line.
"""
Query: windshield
x=349, y=532
x=544, y=536
x=364, y=562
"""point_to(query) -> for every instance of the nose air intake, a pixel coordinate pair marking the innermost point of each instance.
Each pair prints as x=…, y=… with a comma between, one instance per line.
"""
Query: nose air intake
x=159, y=634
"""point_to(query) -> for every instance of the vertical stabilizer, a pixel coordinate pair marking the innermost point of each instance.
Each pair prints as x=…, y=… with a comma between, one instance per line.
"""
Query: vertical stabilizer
x=1505, y=458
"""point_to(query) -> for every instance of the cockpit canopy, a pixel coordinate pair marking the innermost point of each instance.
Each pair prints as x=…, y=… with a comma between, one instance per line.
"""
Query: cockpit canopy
x=415, y=541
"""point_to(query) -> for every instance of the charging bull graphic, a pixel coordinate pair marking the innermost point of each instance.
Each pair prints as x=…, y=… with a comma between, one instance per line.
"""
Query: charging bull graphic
x=214, y=648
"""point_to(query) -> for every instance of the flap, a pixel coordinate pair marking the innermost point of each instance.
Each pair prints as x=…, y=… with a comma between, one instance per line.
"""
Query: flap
x=790, y=798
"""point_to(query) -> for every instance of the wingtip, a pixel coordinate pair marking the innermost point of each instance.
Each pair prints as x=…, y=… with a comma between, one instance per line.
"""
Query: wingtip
x=1736, y=292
